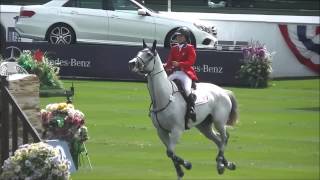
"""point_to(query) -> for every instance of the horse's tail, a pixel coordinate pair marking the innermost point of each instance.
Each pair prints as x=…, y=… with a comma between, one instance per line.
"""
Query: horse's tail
x=233, y=116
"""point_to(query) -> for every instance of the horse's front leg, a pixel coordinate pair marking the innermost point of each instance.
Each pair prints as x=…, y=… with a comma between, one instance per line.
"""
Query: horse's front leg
x=178, y=160
x=176, y=164
x=170, y=141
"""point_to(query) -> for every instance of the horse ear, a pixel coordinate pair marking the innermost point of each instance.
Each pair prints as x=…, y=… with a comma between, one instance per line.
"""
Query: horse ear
x=154, y=46
x=144, y=44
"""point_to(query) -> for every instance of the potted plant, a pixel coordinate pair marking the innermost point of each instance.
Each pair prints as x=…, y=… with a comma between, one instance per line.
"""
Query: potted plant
x=62, y=121
x=34, y=162
x=256, y=65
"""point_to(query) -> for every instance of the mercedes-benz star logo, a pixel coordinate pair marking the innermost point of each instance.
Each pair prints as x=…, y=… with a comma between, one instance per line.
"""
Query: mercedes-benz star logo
x=13, y=55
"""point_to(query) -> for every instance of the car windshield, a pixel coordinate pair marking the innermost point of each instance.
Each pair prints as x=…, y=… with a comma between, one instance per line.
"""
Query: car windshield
x=124, y=5
x=143, y=6
x=90, y=4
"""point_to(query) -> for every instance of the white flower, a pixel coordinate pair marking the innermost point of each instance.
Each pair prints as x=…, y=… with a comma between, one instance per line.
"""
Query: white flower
x=17, y=168
x=52, y=107
x=55, y=172
x=28, y=163
x=26, y=51
x=33, y=154
x=38, y=173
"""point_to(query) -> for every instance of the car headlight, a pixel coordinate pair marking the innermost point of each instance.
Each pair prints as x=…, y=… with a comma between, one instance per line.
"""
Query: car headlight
x=206, y=28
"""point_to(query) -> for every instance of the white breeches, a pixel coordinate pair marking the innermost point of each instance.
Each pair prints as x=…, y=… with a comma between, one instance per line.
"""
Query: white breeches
x=184, y=78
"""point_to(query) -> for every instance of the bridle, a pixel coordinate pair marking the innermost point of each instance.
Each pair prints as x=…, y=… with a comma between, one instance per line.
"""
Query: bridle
x=146, y=63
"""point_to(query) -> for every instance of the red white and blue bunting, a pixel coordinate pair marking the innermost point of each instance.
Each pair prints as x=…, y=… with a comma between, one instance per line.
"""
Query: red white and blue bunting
x=303, y=41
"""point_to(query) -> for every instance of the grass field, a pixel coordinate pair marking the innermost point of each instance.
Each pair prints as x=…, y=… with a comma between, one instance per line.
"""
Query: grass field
x=277, y=137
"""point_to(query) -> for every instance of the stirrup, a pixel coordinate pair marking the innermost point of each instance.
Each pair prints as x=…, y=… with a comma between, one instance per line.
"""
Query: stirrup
x=192, y=115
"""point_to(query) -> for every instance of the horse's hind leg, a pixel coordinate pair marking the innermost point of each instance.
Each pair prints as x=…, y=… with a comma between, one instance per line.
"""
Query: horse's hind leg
x=206, y=129
x=221, y=160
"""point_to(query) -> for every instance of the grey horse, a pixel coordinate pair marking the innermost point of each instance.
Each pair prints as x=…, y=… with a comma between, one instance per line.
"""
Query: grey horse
x=218, y=109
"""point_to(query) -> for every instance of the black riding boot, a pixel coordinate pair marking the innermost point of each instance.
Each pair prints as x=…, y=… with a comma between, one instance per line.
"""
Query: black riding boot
x=191, y=112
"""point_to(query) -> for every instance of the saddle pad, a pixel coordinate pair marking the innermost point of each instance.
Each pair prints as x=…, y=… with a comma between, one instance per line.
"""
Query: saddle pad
x=202, y=97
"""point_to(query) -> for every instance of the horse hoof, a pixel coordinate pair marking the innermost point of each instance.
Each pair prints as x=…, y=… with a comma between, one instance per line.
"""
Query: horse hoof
x=220, y=168
x=187, y=165
x=180, y=174
x=231, y=166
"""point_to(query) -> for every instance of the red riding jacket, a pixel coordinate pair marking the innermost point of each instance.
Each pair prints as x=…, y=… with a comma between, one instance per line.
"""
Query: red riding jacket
x=186, y=58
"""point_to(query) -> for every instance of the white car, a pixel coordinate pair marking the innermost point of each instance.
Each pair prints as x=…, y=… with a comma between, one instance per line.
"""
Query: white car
x=107, y=21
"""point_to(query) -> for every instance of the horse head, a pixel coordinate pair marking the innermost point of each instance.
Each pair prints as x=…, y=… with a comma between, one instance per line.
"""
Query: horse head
x=144, y=62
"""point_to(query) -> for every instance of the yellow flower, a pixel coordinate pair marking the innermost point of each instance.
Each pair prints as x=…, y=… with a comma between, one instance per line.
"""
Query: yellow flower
x=70, y=106
x=62, y=106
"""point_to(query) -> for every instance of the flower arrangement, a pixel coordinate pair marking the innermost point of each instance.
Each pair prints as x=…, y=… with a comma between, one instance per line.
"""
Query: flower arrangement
x=38, y=63
x=256, y=66
x=34, y=162
x=62, y=121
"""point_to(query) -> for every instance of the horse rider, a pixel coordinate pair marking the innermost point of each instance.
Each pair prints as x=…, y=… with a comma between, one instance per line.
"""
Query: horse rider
x=180, y=61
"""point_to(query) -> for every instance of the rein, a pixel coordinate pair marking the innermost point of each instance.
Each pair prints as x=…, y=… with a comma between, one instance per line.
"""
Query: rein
x=155, y=112
x=153, y=102
x=165, y=107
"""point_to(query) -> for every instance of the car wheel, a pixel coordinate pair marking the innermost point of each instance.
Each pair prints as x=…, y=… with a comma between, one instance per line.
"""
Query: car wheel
x=61, y=34
x=171, y=40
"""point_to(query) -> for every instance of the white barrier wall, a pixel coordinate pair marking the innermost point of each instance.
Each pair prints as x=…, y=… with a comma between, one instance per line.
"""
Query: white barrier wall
x=238, y=27
x=262, y=28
